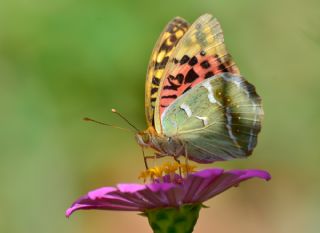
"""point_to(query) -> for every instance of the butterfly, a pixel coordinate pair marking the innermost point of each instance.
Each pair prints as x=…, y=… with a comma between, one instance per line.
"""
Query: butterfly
x=196, y=102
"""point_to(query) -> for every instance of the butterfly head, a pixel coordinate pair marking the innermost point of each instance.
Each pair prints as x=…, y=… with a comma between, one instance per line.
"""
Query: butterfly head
x=143, y=138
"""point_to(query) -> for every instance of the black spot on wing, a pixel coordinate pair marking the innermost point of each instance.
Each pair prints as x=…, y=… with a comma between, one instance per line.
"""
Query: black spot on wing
x=171, y=86
x=171, y=77
x=173, y=38
x=166, y=47
x=169, y=96
x=154, y=90
x=205, y=64
x=179, y=78
x=193, y=61
x=222, y=68
x=184, y=59
x=191, y=76
x=162, y=64
x=155, y=81
x=209, y=74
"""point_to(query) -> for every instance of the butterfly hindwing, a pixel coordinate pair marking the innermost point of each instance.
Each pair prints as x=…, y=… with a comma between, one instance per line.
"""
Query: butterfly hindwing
x=218, y=119
x=199, y=55
x=167, y=41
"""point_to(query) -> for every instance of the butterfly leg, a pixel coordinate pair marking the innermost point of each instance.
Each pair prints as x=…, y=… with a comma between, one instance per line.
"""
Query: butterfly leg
x=145, y=159
x=154, y=157
x=179, y=152
x=187, y=159
x=178, y=161
x=159, y=155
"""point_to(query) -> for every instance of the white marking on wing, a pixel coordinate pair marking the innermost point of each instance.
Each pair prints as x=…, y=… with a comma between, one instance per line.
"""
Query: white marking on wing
x=238, y=83
x=204, y=120
x=234, y=79
x=208, y=86
x=187, y=109
x=211, y=98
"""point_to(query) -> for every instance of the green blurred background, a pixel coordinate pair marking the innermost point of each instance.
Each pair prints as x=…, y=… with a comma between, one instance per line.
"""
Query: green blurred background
x=65, y=59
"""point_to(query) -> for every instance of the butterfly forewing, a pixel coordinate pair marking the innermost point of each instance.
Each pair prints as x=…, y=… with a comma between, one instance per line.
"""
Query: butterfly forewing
x=199, y=55
x=218, y=119
x=167, y=41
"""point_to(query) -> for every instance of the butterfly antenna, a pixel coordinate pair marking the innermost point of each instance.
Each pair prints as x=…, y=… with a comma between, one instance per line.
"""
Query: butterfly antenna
x=125, y=119
x=102, y=123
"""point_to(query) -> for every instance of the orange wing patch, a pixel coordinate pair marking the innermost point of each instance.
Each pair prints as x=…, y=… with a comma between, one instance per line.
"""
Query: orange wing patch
x=191, y=72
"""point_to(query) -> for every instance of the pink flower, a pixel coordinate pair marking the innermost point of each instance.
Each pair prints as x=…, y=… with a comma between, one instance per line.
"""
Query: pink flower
x=171, y=191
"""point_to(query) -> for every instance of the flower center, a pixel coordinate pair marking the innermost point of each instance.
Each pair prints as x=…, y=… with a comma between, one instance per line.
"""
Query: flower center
x=170, y=171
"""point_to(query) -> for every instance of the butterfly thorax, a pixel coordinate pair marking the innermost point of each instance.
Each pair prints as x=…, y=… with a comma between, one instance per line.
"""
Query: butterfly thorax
x=163, y=144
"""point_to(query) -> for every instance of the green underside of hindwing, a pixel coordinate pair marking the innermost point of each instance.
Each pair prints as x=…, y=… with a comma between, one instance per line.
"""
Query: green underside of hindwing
x=218, y=119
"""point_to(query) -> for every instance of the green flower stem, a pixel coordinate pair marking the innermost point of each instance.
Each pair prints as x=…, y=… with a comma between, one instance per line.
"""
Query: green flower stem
x=174, y=220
